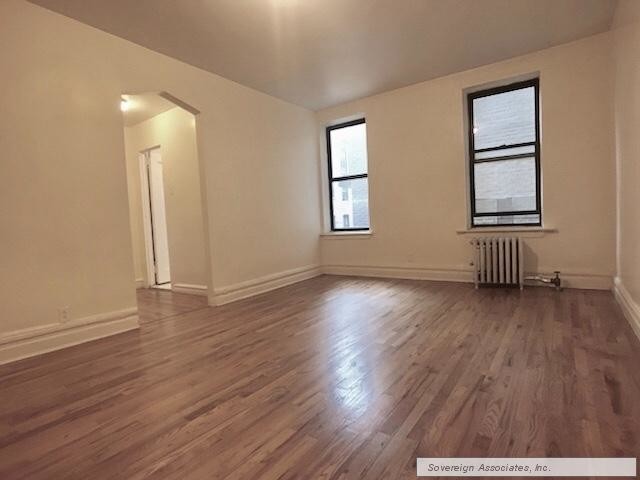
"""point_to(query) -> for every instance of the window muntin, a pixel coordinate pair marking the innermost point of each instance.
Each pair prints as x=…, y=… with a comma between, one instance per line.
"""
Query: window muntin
x=504, y=146
x=348, y=177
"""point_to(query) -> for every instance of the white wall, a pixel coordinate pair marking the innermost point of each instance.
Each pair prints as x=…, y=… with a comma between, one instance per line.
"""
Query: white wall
x=64, y=214
x=175, y=132
x=417, y=179
x=627, y=120
x=63, y=195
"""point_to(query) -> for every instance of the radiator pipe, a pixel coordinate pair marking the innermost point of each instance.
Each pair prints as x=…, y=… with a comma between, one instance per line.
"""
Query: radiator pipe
x=555, y=281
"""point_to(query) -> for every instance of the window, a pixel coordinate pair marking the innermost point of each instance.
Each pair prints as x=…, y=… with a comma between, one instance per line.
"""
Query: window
x=504, y=155
x=348, y=179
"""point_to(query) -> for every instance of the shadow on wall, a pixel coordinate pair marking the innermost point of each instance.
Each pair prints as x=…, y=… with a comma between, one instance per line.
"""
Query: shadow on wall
x=530, y=259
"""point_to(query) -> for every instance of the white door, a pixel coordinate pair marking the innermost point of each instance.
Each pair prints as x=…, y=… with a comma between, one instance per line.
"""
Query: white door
x=158, y=218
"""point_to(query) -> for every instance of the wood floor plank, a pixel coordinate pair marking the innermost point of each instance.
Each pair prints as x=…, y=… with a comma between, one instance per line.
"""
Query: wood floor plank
x=334, y=377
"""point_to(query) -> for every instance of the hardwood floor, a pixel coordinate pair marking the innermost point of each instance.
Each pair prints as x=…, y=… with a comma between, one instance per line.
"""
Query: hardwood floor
x=330, y=378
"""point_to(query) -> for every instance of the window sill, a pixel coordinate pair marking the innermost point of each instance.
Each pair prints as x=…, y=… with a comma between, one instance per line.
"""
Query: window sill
x=480, y=230
x=354, y=234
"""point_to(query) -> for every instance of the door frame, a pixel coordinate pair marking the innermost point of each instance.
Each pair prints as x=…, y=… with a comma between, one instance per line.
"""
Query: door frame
x=143, y=163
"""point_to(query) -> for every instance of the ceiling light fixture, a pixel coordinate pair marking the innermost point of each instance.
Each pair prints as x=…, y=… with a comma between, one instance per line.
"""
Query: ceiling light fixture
x=124, y=104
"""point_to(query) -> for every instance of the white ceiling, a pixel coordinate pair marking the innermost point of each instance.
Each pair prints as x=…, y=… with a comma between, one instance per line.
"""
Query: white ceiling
x=319, y=53
x=143, y=107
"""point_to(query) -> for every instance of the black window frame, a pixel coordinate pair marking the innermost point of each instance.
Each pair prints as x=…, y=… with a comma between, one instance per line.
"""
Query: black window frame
x=333, y=179
x=535, y=83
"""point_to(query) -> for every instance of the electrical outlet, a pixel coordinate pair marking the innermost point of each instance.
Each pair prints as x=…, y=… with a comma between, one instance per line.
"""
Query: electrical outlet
x=63, y=314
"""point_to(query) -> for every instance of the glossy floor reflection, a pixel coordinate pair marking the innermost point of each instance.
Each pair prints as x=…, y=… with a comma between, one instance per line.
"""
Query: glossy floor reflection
x=330, y=378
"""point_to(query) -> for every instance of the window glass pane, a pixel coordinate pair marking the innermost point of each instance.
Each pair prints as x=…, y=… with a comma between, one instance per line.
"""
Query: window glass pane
x=348, y=150
x=504, y=119
x=503, y=152
x=354, y=211
x=508, y=220
x=505, y=185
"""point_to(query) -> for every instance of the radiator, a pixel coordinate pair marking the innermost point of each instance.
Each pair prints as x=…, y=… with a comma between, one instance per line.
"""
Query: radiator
x=498, y=261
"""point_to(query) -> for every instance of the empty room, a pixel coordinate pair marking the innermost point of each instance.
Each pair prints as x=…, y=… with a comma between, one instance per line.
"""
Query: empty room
x=319, y=239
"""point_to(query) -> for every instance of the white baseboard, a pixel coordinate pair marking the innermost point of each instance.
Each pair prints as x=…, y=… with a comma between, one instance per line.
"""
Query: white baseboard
x=457, y=274
x=33, y=341
x=140, y=283
x=629, y=307
x=408, y=273
x=189, y=289
x=260, y=285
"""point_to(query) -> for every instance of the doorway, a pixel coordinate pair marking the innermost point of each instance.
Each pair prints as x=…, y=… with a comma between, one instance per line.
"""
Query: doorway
x=166, y=201
x=155, y=218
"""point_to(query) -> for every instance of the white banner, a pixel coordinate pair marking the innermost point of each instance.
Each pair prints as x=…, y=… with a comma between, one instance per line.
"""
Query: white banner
x=526, y=467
